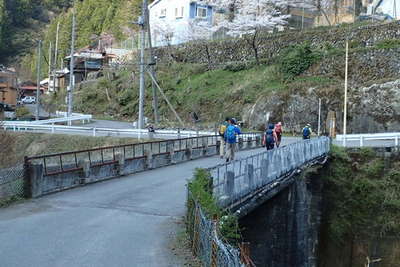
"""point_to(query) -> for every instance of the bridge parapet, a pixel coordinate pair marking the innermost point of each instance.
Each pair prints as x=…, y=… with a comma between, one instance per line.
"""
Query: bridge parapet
x=233, y=182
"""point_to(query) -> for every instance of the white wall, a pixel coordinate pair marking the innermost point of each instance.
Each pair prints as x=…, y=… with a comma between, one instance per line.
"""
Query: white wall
x=162, y=26
x=387, y=7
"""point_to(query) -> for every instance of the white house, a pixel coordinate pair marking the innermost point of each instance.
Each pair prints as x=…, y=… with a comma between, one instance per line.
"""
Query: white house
x=172, y=21
x=385, y=7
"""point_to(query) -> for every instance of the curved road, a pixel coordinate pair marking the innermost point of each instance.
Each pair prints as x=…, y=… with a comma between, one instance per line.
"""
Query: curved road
x=130, y=221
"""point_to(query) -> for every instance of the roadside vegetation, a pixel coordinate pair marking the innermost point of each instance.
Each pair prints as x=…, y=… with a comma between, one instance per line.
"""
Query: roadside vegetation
x=362, y=208
x=200, y=190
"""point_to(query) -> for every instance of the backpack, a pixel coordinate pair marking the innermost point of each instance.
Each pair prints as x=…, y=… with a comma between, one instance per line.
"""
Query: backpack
x=269, y=136
x=306, y=132
x=222, y=129
x=278, y=129
x=230, y=134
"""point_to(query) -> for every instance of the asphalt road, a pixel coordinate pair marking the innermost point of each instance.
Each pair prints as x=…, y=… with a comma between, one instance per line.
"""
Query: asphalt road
x=130, y=221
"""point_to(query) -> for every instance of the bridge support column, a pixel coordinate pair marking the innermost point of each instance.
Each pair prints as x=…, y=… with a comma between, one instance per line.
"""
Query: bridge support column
x=250, y=176
x=34, y=181
x=189, y=150
x=121, y=163
x=240, y=143
x=171, y=150
x=149, y=159
x=229, y=184
x=264, y=169
x=85, y=165
x=258, y=141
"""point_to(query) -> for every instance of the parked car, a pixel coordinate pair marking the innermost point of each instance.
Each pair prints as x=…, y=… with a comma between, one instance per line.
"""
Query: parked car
x=6, y=107
x=28, y=100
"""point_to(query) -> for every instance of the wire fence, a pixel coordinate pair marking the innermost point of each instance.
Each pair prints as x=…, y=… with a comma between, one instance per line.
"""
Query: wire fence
x=204, y=240
x=12, y=182
x=234, y=181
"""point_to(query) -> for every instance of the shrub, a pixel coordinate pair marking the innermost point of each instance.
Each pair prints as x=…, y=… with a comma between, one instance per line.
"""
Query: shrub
x=296, y=59
x=22, y=112
x=201, y=188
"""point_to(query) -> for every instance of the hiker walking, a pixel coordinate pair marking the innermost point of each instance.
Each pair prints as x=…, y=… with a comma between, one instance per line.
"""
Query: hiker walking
x=221, y=132
x=230, y=139
x=270, y=137
x=307, y=132
x=278, y=131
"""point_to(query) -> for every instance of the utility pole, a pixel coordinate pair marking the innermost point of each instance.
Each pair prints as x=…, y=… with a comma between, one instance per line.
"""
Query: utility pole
x=39, y=63
x=319, y=116
x=345, y=94
x=394, y=10
x=50, y=62
x=302, y=18
x=152, y=63
x=55, y=58
x=142, y=23
x=71, y=67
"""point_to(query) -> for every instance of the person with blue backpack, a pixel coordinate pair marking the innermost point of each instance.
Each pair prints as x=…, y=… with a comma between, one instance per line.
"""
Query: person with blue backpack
x=270, y=137
x=307, y=132
x=230, y=139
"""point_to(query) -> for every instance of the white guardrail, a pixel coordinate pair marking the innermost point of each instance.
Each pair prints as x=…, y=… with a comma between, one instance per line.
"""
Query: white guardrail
x=94, y=131
x=362, y=139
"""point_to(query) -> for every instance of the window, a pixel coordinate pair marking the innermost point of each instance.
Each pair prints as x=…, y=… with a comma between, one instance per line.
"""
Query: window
x=179, y=12
x=201, y=12
x=163, y=13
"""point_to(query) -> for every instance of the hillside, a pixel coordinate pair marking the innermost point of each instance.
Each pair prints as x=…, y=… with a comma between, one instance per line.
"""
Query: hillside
x=286, y=86
x=24, y=22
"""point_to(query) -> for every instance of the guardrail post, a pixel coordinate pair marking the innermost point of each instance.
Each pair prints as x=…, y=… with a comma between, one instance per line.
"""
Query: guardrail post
x=396, y=141
x=361, y=141
x=229, y=184
x=52, y=128
x=94, y=131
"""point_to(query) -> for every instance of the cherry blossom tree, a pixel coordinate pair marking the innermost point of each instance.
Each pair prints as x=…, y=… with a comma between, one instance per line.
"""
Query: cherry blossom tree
x=251, y=17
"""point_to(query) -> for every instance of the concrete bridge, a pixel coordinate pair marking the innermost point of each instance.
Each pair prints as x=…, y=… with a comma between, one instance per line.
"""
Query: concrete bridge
x=130, y=221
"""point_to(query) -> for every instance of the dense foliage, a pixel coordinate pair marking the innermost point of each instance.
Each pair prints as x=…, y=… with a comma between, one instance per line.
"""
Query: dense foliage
x=297, y=59
x=363, y=195
x=21, y=22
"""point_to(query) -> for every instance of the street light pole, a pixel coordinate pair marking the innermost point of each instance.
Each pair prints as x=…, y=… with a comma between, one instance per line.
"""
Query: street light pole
x=142, y=23
x=345, y=95
x=319, y=116
x=39, y=63
x=71, y=67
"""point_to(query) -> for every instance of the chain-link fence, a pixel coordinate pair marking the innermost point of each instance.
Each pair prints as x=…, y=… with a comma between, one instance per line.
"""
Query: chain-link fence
x=12, y=182
x=204, y=240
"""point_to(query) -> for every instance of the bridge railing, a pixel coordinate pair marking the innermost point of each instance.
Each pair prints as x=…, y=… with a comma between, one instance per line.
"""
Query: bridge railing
x=60, y=171
x=234, y=181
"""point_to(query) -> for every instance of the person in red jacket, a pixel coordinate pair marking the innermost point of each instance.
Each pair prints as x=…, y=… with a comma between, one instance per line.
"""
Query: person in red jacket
x=278, y=131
